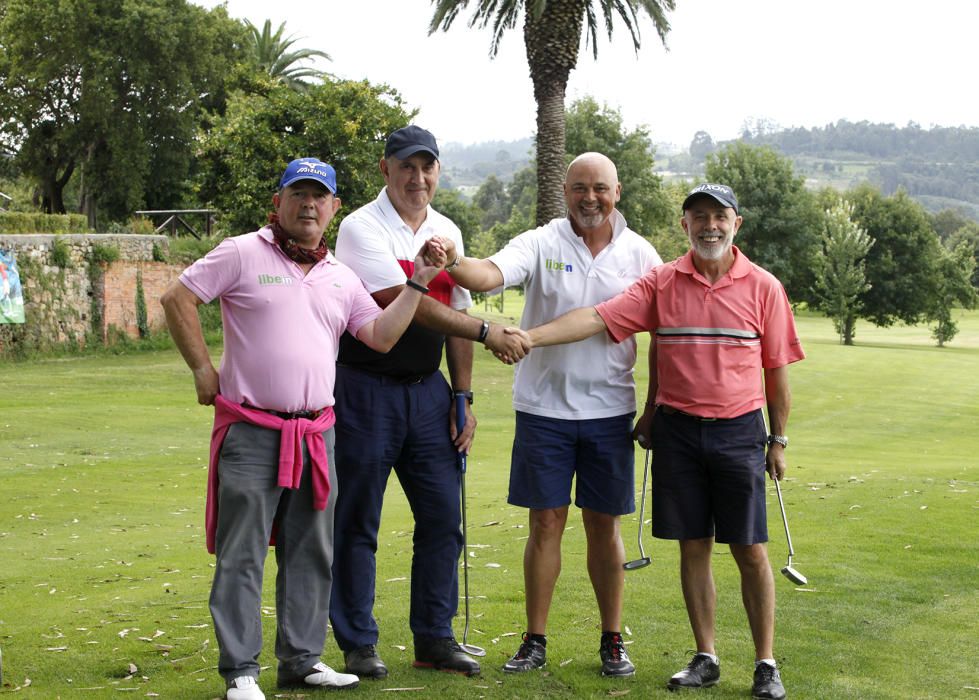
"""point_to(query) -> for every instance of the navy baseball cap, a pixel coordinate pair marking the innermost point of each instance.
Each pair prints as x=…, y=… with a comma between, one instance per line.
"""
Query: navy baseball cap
x=309, y=169
x=722, y=193
x=408, y=141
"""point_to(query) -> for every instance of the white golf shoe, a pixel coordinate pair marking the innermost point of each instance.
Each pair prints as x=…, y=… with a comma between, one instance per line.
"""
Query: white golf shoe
x=244, y=688
x=321, y=676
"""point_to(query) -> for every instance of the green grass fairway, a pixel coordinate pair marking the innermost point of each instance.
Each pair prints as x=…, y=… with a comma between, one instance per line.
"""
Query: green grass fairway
x=104, y=577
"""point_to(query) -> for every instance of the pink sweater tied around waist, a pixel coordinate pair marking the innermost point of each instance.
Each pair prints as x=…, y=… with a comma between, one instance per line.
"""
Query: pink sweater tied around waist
x=292, y=432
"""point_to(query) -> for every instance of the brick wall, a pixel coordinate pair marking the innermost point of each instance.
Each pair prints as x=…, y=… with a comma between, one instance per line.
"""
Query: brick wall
x=118, y=291
x=59, y=300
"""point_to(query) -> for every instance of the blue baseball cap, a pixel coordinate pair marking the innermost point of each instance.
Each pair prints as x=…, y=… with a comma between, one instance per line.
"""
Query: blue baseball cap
x=309, y=169
x=721, y=193
x=409, y=140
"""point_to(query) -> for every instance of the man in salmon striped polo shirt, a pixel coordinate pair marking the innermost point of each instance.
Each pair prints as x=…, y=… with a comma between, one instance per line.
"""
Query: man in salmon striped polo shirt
x=724, y=337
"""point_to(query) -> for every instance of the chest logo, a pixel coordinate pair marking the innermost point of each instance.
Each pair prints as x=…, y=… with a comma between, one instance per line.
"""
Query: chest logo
x=277, y=280
x=557, y=265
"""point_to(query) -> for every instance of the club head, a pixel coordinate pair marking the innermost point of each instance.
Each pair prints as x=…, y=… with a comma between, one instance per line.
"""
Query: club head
x=636, y=564
x=473, y=650
x=794, y=576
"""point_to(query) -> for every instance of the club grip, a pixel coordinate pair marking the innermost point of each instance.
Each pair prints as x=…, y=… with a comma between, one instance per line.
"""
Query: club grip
x=460, y=407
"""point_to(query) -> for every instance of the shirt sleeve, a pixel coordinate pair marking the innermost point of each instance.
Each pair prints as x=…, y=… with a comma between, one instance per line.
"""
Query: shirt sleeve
x=361, y=247
x=780, y=344
x=517, y=260
x=216, y=273
x=363, y=308
x=631, y=311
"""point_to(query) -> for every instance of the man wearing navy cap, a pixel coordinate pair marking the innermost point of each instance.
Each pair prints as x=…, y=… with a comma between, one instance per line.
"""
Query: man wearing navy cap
x=394, y=411
x=725, y=336
x=285, y=301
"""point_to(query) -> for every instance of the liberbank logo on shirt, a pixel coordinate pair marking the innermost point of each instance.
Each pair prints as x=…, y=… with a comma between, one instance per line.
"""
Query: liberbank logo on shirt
x=557, y=265
x=264, y=280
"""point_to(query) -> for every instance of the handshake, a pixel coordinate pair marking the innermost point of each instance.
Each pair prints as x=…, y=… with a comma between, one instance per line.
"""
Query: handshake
x=509, y=343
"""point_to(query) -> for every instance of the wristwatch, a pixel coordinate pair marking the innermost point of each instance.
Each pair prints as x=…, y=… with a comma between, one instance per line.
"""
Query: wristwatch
x=467, y=394
x=778, y=439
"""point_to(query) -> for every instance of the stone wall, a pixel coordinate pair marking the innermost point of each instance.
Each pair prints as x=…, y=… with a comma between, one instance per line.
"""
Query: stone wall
x=71, y=297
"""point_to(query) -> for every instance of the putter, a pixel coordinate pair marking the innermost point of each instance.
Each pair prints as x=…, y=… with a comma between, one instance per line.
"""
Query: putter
x=460, y=407
x=790, y=573
x=643, y=560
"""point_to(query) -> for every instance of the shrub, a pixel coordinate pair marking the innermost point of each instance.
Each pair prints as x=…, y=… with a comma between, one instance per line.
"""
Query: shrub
x=35, y=222
x=60, y=253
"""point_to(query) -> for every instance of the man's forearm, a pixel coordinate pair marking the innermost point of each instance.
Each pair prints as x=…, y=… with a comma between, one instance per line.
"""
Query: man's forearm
x=459, y=358
x=779, y=399
x=443, y=319
x=573, y=326
x=477, y=275
x=183, y=322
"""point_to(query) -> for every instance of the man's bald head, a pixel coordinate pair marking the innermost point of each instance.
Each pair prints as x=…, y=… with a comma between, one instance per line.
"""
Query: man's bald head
x=591, y=190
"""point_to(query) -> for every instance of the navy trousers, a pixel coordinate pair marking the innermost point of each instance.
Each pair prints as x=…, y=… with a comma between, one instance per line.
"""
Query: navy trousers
x=383, y=424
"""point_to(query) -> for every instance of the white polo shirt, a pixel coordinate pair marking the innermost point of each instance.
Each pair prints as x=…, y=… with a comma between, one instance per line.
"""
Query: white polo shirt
x=592, y=378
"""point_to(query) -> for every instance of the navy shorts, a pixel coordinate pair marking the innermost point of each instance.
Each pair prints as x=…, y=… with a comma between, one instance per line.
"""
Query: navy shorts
x=709, y=478
x=597, y=453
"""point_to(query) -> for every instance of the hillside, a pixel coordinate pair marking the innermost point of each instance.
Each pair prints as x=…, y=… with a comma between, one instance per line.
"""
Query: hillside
x=938, y=167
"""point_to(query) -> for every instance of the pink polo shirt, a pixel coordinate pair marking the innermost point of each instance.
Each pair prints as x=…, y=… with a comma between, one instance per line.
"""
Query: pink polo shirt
x=712, y=341
x=281, y=329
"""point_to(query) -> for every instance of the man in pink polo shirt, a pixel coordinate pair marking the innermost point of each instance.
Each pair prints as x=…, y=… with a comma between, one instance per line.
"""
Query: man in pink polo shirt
x=724, y=337
x=285, y=302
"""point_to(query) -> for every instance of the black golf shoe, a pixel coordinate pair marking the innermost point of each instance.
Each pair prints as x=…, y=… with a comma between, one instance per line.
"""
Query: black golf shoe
x=444, y=655
x=615, y=660
x=531, y=654
x=768, y=683
x=701, y=672
x=364, y=662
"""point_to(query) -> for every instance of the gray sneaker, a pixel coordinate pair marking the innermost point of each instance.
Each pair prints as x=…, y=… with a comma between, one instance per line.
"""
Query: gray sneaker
x=615, y=659
x=768, y=683
x=701, y=672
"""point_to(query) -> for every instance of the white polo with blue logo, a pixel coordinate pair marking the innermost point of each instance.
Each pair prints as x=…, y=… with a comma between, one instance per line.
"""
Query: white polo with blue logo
x=592, y=378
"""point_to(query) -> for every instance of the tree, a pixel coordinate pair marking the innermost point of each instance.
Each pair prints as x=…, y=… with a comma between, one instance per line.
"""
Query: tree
x=967, y=235
x=109, y=93
x=492, y=199
x=902, y=265
x=955, y=270
x=343, y=123
x=552, y=35
x=840, y=273
x=271, y=54
x=781, y=218
x=592, y=128
x=701, y=145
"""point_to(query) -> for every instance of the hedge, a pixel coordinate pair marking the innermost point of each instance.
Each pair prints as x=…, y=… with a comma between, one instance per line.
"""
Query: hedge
x=12, y=222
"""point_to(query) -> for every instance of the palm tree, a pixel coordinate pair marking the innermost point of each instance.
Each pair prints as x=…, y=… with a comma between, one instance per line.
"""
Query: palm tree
x=271, y=53
x=552, y=35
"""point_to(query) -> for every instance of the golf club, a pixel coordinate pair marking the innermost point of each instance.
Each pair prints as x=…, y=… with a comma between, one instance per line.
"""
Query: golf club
x=460, y=407
x=643, y=560
x=790, y=573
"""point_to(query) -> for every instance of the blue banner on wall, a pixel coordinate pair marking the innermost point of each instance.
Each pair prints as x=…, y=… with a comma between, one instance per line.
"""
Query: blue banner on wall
x=11, y=292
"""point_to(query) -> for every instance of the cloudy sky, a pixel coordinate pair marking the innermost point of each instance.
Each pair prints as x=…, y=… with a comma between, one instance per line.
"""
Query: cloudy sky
x=728, y=62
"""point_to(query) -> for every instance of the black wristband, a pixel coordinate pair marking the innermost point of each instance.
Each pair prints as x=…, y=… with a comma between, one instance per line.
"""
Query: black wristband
x=483, y=332
x=467, y=394
x=414, y=285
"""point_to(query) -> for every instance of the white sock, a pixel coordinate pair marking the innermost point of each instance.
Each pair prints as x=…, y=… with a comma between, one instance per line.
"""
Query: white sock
x=770, y=662
x=710, y=656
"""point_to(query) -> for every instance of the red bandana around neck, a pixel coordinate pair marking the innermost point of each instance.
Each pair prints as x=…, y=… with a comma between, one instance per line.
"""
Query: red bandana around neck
x=303, y=256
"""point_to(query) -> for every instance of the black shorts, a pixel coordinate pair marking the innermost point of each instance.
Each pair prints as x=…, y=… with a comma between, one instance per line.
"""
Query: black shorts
x=709, y=478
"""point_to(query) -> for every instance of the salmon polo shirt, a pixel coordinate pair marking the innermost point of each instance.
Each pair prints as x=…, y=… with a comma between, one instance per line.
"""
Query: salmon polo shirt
x=712, y=340
x=281, y=328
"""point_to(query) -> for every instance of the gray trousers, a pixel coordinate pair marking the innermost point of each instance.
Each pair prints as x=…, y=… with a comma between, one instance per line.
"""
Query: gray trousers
x=249, y=501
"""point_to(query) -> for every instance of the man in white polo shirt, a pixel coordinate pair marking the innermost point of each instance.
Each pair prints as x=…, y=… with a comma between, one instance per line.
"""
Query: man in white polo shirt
x=394, y=412
x=574, y=403
x=285, y=301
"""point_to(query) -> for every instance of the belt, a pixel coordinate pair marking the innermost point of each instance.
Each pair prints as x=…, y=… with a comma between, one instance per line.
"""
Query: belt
x=285, y=415
x=385, y=379
x=670, y=411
